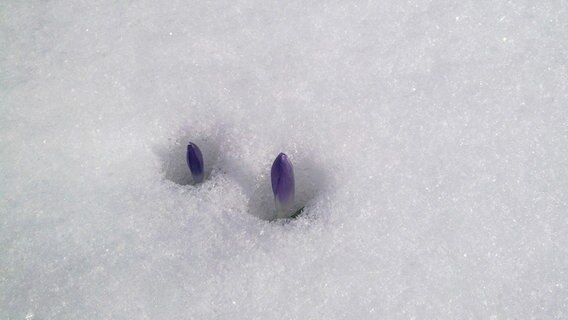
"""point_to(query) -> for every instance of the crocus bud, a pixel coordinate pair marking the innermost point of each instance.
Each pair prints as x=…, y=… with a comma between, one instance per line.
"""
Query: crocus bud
x=282, y=175
x=195, y=162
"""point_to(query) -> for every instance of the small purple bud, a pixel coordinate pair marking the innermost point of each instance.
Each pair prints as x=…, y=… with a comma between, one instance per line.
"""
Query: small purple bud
x=195, y=162
x=282, y=176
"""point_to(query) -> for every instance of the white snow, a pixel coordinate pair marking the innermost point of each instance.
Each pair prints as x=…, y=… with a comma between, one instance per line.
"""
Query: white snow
x=429, y=138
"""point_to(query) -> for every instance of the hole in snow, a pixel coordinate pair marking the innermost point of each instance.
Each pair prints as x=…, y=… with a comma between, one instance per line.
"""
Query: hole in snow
x=310, y=178
x=174, y=163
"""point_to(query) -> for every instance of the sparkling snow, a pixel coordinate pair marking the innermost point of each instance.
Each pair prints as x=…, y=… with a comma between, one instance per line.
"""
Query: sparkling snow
x=429, y=138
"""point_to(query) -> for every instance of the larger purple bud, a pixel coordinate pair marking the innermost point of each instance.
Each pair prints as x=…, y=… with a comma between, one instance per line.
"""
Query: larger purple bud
x=282, y=176
x=195, y=162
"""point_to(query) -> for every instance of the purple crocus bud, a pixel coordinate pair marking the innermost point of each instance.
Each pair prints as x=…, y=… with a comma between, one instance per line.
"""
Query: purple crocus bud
x=195, y=162
x=282, y=175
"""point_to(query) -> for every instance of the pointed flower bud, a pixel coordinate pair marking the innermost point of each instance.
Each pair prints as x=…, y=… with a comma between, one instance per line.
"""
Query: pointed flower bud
x=282, y=175
x=195, y=162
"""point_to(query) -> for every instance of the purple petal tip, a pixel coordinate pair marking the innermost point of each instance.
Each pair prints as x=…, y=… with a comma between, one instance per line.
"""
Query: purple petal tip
x=282, y=178
x=195, y=161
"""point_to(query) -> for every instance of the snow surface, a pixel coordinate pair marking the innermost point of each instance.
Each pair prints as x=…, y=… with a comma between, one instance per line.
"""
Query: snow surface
x=429, y=138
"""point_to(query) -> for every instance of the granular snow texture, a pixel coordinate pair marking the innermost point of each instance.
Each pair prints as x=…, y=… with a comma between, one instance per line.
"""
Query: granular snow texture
x=429, y=141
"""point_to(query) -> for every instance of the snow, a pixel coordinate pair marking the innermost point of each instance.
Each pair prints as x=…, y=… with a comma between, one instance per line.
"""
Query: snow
x=429, y=139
